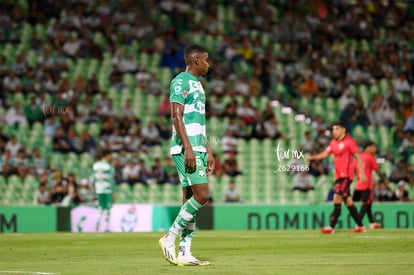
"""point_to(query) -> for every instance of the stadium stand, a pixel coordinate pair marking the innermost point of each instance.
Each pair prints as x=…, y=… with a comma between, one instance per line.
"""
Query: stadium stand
x=269, y=53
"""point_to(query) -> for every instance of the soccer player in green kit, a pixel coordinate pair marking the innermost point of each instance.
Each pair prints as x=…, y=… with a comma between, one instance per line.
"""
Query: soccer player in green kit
x=104, y=183
x=191, y=153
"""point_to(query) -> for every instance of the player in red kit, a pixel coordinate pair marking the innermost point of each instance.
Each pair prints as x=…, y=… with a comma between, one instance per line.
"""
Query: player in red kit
x=363, y=190
x=344, y=149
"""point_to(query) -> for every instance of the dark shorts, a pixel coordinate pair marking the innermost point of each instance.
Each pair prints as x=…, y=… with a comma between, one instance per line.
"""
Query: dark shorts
x=363, y=195
x=342, y=187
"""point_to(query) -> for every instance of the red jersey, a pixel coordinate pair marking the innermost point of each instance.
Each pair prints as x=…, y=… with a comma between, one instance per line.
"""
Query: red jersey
x=343, y=152
x=370, y=164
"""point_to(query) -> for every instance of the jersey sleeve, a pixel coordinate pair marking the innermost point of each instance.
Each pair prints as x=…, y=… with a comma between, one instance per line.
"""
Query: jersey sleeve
x=374, y=163
x=179, y=90
x=353, y=147
x=329, y=148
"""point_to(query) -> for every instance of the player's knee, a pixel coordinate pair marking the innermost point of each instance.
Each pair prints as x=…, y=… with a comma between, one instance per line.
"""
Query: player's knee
x=202, y=197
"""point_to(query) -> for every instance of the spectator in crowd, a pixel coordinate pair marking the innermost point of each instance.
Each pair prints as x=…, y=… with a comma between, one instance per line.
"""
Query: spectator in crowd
x=232, y=193
x=151, y=135
x=13, y=146
x=171, y=171
x=41, y=195
x=230, y=166
x=59, y=189
x=33, y=111
x=308, y=144
x=309, y=88
x=131, y=173
x=164, y=108
x=229, y=142
x=302, y=182
x=247, y=112
x=87, y=143
x=217, y=107
x=85, y=191
x=271, y=128
x=407, y=146
x=164, y=127
x=145, y=170
x=38, y=164
x=60, y=141
x=400, y=194
x=158, y=172
x=50, y=127
x=218, y=167
x=21, y=164
x=399, y=172
x=383, y=192
x=15, y=116
x=7, y=167
x=409, y=124
x=116, y=141
x=127, y=110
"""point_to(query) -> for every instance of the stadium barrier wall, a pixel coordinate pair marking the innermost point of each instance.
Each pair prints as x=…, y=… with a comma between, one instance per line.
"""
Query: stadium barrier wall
x=30, y=219
x=271, y=217
x=151, y=218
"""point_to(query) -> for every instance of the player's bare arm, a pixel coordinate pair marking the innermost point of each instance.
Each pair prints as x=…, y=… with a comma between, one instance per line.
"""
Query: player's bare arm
x=177, y=111
x=210, y=159
x=360, y=164
x=319, y=156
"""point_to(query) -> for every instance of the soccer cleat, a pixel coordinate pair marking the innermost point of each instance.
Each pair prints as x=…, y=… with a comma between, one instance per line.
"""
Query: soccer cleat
x=189, y=260
x=359, y=229
x=375, y=226
x=327, y=230
x=168, y=249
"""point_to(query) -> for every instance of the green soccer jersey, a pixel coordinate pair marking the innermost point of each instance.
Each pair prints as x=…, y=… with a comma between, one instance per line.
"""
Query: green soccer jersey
x=187, y=90
x=103, y=177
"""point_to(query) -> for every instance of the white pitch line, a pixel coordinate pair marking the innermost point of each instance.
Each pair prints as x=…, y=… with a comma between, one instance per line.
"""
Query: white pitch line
x=27, y=272
x=378, y=237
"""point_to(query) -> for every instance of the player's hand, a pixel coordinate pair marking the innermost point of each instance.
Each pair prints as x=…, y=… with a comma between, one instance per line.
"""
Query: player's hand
x=190, y=160
x=211, y=164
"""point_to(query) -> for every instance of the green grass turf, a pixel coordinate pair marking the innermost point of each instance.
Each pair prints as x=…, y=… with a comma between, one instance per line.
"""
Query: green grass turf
x=383, y=251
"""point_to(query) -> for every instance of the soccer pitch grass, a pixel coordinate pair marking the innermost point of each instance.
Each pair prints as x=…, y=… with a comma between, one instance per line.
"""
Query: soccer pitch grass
x=383, y=251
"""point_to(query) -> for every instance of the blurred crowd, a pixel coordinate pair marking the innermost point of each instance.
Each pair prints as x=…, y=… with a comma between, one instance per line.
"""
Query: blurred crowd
x=318, y=49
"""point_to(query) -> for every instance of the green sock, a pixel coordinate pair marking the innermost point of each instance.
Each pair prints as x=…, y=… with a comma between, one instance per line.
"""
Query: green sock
x=184, y=217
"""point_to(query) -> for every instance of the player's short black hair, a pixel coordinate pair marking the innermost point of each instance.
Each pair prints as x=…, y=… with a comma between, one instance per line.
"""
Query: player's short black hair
x=368, y=143
x=192, y=49
x=340, y=124
x=102, y=154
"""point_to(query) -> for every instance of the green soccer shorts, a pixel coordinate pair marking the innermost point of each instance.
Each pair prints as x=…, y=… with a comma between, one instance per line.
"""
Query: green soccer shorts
x=105, y=201
x=199, y=176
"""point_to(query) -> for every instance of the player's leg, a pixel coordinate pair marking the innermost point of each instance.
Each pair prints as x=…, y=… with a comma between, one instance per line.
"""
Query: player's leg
x=337, y=210
x=200, y=190
x=345, y=188
x=108, y=206
x=359, y=227
x=98, y=219
x=354, y=214
x=185, y=257
x=100, y=211
x=337, y=201
x=364, y=206
x=372, y=223
x=357, y=195
x=187, y=234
